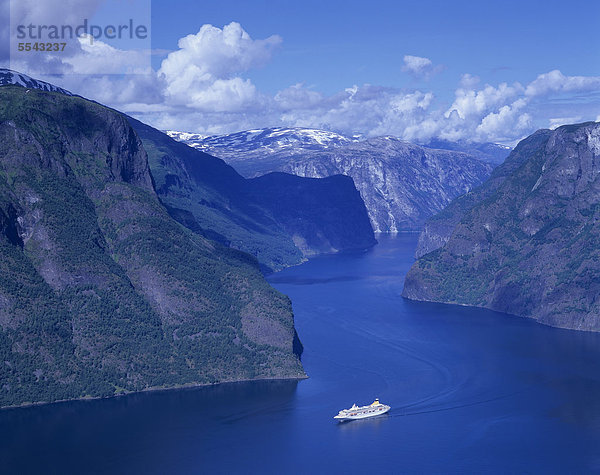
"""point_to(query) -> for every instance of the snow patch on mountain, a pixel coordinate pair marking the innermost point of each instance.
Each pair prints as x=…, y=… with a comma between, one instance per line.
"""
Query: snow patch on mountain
x=269, y=140
x=9, y=77
x=401, y=183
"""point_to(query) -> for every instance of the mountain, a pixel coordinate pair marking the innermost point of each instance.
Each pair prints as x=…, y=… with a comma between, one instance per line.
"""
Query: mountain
x=402, y=184
x=279, y=219
x=9, y=77
x=260, y=151
x=270, y=140
x=438, y=229
x=101, y=291
x=323, y=215
x=493, y=153
x=527, y=242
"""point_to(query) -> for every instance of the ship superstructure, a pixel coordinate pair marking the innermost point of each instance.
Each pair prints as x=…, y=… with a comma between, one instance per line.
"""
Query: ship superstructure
x=362, y=412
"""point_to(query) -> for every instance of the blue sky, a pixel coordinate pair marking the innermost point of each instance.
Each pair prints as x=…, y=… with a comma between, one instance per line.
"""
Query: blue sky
x=459, y=70
x=335, y=44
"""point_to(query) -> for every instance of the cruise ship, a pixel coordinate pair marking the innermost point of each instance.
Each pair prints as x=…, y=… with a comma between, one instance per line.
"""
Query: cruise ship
x=362, y=412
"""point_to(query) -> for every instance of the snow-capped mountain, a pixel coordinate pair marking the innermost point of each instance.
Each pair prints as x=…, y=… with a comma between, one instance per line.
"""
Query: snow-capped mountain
x=8, y=77
x=401, y=183
x=291, y=140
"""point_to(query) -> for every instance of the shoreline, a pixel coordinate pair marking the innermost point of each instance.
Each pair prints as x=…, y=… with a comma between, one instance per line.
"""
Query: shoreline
x=151, y=390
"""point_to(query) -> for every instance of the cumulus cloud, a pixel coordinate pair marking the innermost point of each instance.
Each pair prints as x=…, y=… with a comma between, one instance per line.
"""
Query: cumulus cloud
x=371, y=109
x=203, y=72
x=501, y=113
x=80, y=24
x=556, y=122
x=419, y=67
x=416, y=64
x=504, y=123
x=469, y=81
x=52, y=12
x=298, y=97
x=201, y=87
x=97, y=57
x=557, y=82
x=470, y=102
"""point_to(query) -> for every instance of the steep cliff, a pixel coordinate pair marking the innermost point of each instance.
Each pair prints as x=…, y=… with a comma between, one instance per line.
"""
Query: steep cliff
x=528, y=241
x=322, y=215
x=402, y=184
x=267, y=218
x=101, y=291
x=439, y=227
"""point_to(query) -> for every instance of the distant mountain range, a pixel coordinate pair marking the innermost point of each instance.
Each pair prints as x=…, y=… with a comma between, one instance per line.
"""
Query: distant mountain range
x=526, y=242
x=402, y=184
x=490, y=152
x=210, y=197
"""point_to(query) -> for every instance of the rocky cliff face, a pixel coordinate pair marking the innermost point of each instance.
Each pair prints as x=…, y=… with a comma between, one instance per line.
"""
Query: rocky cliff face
x=101, y=291
x=438, y=228
x=528, y=241
x=279, y=219
x=323, y=215
x=402, y=184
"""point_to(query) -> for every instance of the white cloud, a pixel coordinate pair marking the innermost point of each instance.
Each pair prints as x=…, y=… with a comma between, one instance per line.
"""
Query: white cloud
x=97, y=57
x=468, y=81
x=558, y=121
x=419, y=66
x=500, y=113
x=52, y=12
x=203, y=72
x=471, y=102
x=503, y=124
x=85, y=54
x=557, y=82
x=201, y=87
x=298, y=97
x=416, y=64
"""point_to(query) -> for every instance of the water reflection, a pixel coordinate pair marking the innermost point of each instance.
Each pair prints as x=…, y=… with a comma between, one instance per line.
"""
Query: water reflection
x=580, y=402
x=83, y=436
x=311, y=281
x=472, y=391
x=361, y=424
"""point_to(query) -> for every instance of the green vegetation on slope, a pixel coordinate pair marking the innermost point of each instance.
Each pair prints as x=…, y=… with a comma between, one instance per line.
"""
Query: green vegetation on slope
x=101, y=291
x=528, y=241
x=278, y=218
x=206, y=195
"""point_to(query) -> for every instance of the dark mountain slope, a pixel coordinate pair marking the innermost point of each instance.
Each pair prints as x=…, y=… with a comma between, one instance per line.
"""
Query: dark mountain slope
x=439, y=227
x=211, y=198
x=101, y=291
x=529, y=242
x=402, y=184
x=321, y=214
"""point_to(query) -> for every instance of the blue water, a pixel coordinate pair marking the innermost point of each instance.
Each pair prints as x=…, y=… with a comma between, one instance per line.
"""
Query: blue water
x=471, y=391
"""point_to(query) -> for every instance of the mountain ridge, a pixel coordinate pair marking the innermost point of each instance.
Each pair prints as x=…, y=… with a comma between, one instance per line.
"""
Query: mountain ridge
x=270, y=233
x=10, y=77
x=105, y=289
x=526, y=242
x=401, y=183
x=91, y=303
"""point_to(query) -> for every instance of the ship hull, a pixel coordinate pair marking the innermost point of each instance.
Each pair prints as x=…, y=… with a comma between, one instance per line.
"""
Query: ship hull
x=362, y=414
